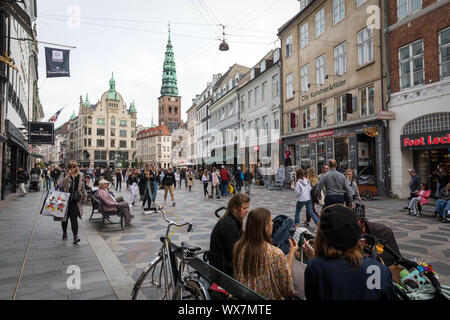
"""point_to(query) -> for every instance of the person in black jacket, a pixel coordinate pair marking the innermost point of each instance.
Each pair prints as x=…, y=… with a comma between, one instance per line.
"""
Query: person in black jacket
x=169, y=184
x=414, y=185
x=227, y=232
x=22, y=179
x=55, y=176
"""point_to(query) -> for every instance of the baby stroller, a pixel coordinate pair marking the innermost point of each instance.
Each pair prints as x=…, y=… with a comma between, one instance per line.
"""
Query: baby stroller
x=34, y=182
x=412, y=281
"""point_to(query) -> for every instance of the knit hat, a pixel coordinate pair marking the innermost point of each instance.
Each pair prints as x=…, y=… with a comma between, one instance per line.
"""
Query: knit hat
x=340, y=227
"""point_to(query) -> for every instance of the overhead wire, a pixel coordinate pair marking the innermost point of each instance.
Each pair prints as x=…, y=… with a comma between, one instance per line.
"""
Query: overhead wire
x=206, y=20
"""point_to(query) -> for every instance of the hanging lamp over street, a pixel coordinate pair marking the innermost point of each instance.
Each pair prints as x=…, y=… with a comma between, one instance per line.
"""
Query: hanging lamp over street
x=223, y=46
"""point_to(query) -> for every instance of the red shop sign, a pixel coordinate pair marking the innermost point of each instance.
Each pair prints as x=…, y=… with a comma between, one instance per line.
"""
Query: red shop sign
x=321, y=134
x=426, y=141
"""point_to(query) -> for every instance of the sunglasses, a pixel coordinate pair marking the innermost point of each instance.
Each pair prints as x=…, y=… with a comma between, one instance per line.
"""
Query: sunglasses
x=71, y=167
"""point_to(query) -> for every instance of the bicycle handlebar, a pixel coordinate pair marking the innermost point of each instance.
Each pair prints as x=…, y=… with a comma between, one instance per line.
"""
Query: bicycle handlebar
x=160, y=208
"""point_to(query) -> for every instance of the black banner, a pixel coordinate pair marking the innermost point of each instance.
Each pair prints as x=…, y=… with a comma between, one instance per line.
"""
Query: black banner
x=57, y=62
x=41, y=132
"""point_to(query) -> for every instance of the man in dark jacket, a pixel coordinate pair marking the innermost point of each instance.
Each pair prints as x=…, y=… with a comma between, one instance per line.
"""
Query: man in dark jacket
x=414, y=185
x=35, y=175
x=238, y=177
x=248, y=177
x=22, y=179
x=56, y=173
x=169, y=184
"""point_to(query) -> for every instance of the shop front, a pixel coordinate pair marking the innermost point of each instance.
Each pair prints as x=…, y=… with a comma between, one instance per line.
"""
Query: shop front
x=358, y=147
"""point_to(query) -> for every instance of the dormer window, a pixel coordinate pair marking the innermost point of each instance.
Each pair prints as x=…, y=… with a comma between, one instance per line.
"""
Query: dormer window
x=263, y=66
x=252, y=73
x=276, y=55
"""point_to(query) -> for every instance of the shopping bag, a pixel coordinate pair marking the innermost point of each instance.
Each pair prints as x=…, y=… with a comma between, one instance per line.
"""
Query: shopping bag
x=55, y=204
x=230, y=188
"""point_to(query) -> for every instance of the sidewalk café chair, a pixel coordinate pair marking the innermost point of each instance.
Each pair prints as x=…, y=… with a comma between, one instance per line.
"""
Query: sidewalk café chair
x=107, y=215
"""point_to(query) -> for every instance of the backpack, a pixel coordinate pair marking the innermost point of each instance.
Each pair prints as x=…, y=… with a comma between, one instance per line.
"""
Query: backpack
x=280, y=232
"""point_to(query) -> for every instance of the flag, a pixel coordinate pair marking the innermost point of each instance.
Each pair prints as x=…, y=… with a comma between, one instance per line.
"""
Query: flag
x=54, y=117
x=57, y=62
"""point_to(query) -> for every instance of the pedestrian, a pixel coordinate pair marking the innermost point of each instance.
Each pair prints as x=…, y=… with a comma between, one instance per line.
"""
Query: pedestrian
x=148, y=177
x=325, y=169
x=161, y=178
x=422, y=197
x=155, y=184
x=414, y=185
x=35, y=174
x=56, y=173
x=108, y=175
x=118, y=179
x=248, y=179
x=441, y=177
x=133, y=181
x=258, y=264
x=303, y=191
x=22, y=179
x=73, y=183
x=225, y=178
x=443, y=205
x=337, y=269
x=46, y=176
x=215, y=183
x=205, y=180
x=110, y=204
x=239, y=178
x=125, y=173
x=227, y=232
x=183, y=177
x=177, y=179
x=190, y=179
x=313, y=181
x=169, y=185
x=91, y=173
x=98, y=173
x=337, y=189
x=352, y=182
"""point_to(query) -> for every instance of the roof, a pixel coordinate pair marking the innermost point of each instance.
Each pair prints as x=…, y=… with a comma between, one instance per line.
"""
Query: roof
x=284, y=26
x=160, y=130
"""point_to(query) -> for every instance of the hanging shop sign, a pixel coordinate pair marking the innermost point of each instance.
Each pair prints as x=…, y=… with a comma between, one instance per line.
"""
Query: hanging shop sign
x=41, y=132
x=57, y=62
x=320, y=134
x=432, y=140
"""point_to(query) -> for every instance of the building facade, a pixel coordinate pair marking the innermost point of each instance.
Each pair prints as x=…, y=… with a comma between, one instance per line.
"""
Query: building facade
x=153, y=146
x=260, y=113
x=103, y=134
x=419, y=73
x=19, y=95
x=334, y=88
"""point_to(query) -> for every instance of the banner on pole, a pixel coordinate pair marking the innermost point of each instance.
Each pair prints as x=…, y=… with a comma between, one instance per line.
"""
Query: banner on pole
x=57, y=62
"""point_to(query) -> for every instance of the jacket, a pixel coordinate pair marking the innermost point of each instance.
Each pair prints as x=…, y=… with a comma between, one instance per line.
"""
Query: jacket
x=237, y=175
x=224, y=175
x=55, y=174
x=169, y=179
x=414, y=183
x=64, y=184
x=225, y=234
x=108, y=203
x=22, y=176
x=425, y=197
x=303, y=190
x=335, y=183
x=444, y=194
x=215, y=179
x=248, y=176
x=190, y=178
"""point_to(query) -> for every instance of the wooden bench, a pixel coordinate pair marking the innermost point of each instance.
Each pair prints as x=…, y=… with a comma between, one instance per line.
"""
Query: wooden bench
x=105, y=215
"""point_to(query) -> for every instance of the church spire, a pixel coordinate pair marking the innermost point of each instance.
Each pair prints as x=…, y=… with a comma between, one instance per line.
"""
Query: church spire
x=169, y=81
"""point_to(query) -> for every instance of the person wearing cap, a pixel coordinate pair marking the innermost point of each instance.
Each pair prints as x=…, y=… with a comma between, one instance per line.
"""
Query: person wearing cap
x=109, y=203
x=414, y=185
x=337, y=269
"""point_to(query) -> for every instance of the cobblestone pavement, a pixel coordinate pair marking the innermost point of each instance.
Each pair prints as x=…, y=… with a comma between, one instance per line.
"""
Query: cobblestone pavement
x=111, y=259
x=422, y=238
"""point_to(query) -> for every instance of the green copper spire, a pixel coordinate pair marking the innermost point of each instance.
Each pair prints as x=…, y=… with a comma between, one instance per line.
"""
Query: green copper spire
x=133, y=108
x=86, y=102
x=112, y=94
x=73, y=116
x=153, y=124
x=169, y=81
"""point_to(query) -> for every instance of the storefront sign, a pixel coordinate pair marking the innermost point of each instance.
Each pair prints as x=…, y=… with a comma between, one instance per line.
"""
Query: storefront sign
x=332, y=86
x=40, y=132
x=57, y=62
x=386, y=115
x=433, y=140
x=321, y=134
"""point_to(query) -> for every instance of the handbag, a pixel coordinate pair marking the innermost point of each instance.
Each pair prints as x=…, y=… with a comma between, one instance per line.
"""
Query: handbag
x=55, y=204
x=321, y=199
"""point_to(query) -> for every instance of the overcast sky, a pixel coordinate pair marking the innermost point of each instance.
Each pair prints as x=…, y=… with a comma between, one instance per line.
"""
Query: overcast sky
x=129, y=38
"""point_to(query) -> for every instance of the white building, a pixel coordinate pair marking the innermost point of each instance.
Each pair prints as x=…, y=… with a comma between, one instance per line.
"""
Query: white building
x=153, y=146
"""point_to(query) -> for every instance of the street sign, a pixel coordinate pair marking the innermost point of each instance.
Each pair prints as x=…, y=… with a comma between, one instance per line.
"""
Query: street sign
x=386, y=115
x=41, y=132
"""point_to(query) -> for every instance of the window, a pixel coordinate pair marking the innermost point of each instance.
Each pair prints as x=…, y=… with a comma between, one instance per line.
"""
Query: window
x=289, y=46
x=112, y=132
x=123, y=133
x=243, y=103
x=123, y=123
x=113, y=121
x=85, y=143
x=320, y=22
x=263, y=90
x=322, y=114
x=100, y=143
x=132, y=124
x=132, y=133
x=276, y=120
x=275, y=86
x=304, y=37
x=339, y=59
x=89, y=142
x=100, y=121
x=176, y=110
x=320, y=69
x=250, y=98
x=407, y=7
x=304, y=77
x=85, y=131
x=257, y=126
x=306, y=119
x=411, y=65
x=256, y=95
x=341, y=109
x=170, y=109
x=100, y=131
x=290, y=86
x=113, y=143
x=122, y=144
x=365, y=46
x=89, y=131
x=367, y=101
x=444, y=53
x=338, y=10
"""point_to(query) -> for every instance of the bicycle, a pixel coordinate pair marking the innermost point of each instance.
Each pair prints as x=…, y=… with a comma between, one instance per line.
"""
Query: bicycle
x=176, y=282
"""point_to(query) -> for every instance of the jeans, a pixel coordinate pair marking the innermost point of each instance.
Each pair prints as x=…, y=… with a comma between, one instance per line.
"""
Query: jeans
x=309, y=209
x=155, y=190
x=415, y=204
x=437, y=190
x=223, y=188
x=134, y=192
x=216, y=187
x=205, y=188
x=72, y=215
x=238, y=185
x=247, y=186
x=329, y=200
x=22, y=188
x=48, y=184
x=169, y=188
x=442, y=207
x=119, y=185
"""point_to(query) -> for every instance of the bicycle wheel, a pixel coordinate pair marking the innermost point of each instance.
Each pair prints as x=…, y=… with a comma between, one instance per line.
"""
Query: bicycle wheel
x=191, y=290
x=151, y=283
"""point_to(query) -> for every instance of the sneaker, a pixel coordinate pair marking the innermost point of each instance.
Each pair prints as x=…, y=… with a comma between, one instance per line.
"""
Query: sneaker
x=64, y=236
x=76, y=240
x=128, y=225
x=405, y=208
x=173, y=204
x=132, y=216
